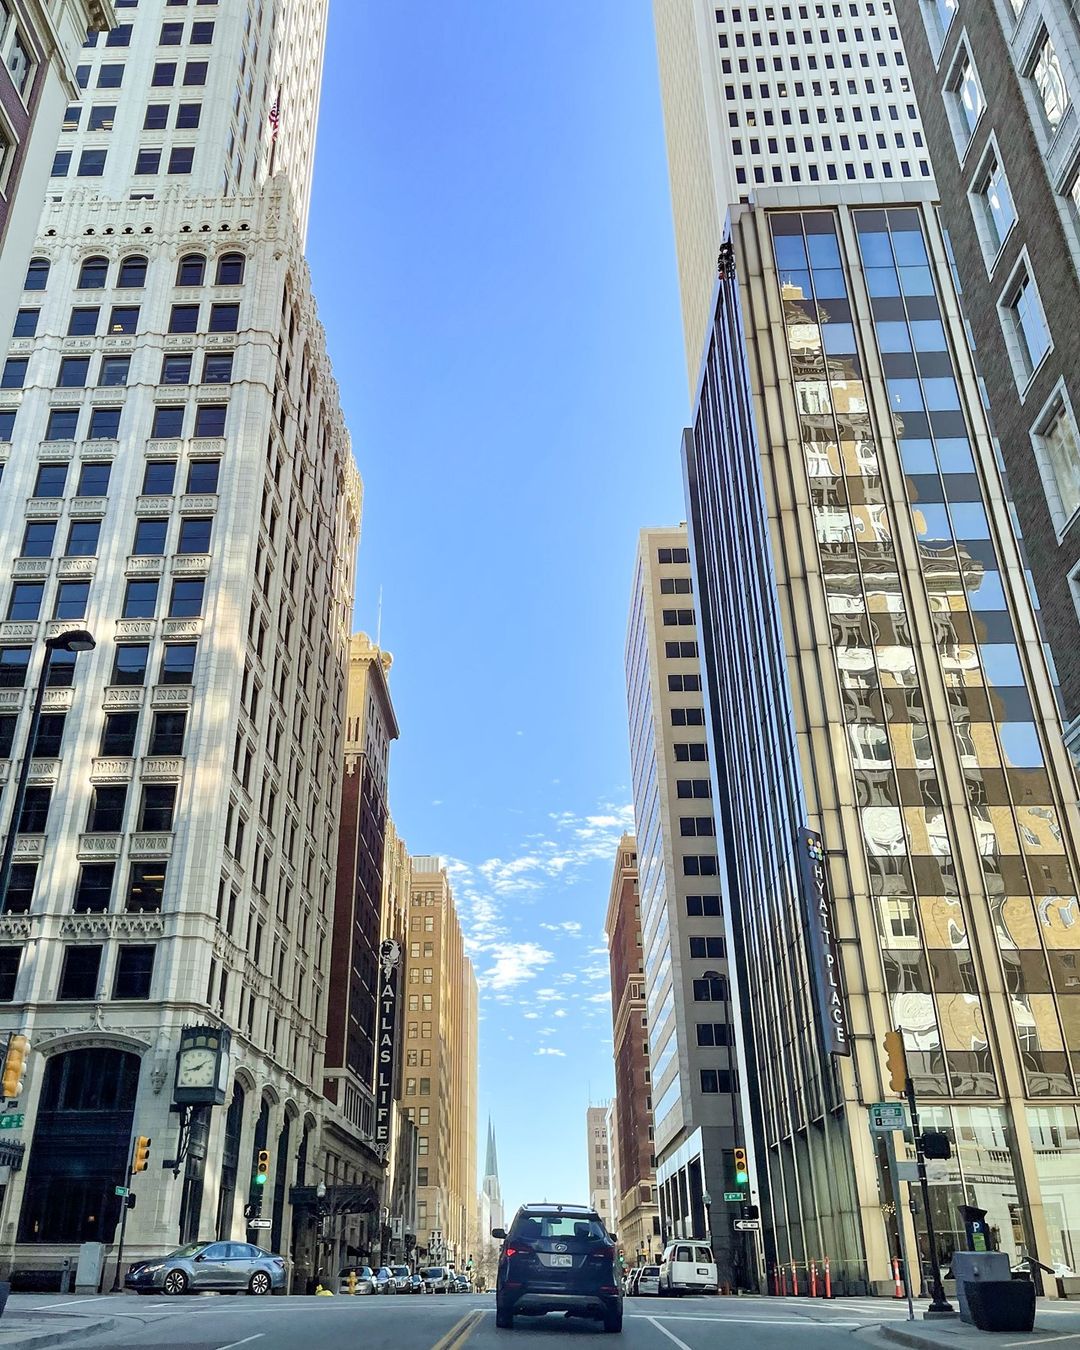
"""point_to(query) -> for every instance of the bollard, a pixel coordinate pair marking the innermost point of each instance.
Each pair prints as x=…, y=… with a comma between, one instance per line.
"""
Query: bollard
x=898, y=1284
x=813, y=1279
x=794, y=1279
x=828, y=1280
x=352, y=1281
x=783, y=1280
x=65, y=1276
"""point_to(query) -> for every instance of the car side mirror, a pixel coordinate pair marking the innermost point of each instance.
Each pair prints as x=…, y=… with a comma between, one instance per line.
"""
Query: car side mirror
x=200, y=1257
x=499, y=1233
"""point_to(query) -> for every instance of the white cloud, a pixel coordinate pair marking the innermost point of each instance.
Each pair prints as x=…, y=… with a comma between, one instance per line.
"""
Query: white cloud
x=551, y=1050
x=599, y=998
x=532, y=1016
x=514, y=963
x=560, y=1012
x=570, y=927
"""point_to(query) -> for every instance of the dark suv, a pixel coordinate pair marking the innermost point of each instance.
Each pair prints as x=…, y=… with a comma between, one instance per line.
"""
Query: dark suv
x=557, y=1258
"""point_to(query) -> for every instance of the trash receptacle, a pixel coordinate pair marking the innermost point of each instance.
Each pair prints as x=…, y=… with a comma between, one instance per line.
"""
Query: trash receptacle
x=1002, y=1305
x=970, y=1268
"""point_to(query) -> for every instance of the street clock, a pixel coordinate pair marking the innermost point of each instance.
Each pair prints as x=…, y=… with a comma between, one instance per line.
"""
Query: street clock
x=202, y=1066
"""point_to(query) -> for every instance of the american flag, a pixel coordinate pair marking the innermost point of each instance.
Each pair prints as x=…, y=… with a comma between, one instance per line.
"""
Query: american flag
x=275, y=117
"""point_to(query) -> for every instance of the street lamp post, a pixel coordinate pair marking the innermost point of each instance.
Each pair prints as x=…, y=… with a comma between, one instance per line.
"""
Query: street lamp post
x=77, y=640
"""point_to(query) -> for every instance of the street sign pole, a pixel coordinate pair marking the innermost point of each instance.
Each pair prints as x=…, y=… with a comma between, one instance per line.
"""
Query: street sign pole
x=123, y=1219
x=890, y=1149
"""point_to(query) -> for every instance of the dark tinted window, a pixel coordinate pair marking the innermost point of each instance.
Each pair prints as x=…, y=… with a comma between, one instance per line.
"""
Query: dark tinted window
x=146, y=885
x=118, y=734
x=129, y=663
x=134, y=972
x=78, y=979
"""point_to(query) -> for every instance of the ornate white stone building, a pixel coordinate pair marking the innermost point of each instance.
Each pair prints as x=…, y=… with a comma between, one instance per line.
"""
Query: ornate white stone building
x=178, y=479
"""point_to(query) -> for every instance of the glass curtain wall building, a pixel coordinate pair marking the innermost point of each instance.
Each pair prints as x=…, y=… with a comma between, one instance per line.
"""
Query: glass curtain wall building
x=875, y=673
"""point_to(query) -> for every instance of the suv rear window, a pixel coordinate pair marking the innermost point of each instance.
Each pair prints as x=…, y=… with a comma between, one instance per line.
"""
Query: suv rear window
x=651, y=1270
x=532, y=1226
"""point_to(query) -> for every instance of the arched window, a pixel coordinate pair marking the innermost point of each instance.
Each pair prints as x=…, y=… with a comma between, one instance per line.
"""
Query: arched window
x=37, y=274
x=93, y=274
x=230, y=269
x=230, y=1161
x=80, y=1146
x=132, y=271
x=192, y=270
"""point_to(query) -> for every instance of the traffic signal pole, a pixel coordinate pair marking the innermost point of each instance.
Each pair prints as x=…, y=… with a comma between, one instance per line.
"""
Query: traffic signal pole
x=140, y=1156
x=939, y=1304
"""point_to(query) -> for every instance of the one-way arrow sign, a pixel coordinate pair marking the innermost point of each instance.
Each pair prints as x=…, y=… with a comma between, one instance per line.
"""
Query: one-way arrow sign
x=747, y=1225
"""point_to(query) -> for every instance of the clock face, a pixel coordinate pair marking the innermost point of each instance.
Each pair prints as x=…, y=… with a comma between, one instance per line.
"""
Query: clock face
x=197, y=1069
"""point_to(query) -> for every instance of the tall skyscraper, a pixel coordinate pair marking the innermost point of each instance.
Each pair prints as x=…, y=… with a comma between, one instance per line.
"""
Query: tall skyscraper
x=352, y=1007
x=998, y=85
x=39, y=47
x=441, y=1066
x=897, y=810
x=691, y=1027
x=636, y=1215
x=599, y=1161
x=180, y=483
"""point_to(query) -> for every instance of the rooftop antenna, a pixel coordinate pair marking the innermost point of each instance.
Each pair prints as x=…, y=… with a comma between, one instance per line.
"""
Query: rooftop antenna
x=378, y=622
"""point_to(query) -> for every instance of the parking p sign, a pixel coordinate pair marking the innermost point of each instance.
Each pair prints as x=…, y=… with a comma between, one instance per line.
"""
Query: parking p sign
x=887, y=1116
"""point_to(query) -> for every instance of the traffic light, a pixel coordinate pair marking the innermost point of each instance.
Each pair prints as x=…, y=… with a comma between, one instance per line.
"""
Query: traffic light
x=742, y=1173
x=141, y=1158
x=262, y=1167
x=936, y=1145
x=895, y=1060
x=18, y=1048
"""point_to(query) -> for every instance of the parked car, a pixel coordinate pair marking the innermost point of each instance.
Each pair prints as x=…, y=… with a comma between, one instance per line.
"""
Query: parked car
x=401, y=1276
x=463, y=1284
x=230, y=1267
x=436, y=1279
x=557, y=1258
x=648, y=1281
x=630, y=1281
x=365, y=1280
x=415, y=1286
x=384, y=1281
x=687, y=1268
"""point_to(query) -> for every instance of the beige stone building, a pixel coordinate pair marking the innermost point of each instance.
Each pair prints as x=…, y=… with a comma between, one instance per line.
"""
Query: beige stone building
x=440, y=1071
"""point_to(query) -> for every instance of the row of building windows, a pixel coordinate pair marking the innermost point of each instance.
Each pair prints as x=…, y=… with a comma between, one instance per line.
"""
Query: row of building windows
x=124, y=319
x=820, y=12
x=186, y=599
x=104, y=425
x=110, y=75
x=113, y=371
x=159, y=480
x=94, y=272
x=143, y=892
x=102, y=116
x=80, y=973
x=177, y=667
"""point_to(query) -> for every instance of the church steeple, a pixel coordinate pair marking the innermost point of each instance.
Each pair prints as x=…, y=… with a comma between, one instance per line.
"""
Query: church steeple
x=491, y=1164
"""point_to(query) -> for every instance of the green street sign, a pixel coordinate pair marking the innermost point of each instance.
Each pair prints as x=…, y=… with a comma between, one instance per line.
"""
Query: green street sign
x=121, y=1190
x=731, y=1196
x=12, y=1120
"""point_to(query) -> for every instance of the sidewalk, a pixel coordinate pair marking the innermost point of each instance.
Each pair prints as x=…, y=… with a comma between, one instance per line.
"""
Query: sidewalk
x=952, y=1334
x=44, y=1330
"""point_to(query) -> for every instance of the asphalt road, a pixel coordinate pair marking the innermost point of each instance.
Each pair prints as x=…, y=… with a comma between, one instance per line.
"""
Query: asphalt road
x=437, y=1322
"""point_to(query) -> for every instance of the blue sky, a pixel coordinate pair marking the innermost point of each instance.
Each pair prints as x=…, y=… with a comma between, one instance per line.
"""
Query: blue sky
x=492, y=254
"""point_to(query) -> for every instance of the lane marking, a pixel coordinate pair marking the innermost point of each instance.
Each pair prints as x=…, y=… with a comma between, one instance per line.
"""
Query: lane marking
x=462, y=1329
x=671, y=1335
x=750, y=1322
x=246, y=1341
x=48, y=1307
x=1045, y=1340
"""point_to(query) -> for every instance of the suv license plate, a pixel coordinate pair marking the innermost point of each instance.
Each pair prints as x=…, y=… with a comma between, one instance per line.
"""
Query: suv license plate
x=703, y=1270
x=561, y=1260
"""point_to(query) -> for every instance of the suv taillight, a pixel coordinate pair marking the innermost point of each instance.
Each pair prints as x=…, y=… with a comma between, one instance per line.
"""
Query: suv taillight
x=517, y=1249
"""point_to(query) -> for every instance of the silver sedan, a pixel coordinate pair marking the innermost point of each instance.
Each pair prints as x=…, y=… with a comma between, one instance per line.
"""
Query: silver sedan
x=228, y=1267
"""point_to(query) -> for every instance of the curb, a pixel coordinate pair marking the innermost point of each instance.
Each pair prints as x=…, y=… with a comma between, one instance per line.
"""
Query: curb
x=47, y=1339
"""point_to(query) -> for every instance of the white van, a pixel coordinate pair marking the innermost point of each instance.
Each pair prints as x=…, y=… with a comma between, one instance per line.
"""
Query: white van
x=687, y=1268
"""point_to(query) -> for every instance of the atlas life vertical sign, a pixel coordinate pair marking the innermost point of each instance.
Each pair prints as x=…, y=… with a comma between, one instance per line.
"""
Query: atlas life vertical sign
x=390, y=963
x=824, y=951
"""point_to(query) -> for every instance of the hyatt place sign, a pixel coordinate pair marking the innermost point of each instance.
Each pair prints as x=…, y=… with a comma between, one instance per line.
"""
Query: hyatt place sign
x=824, y=952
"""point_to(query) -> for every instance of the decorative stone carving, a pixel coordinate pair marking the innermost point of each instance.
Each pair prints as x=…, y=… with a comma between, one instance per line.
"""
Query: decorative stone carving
x=104, y=925
x=29, y=847
x=16, y=926
x=44, y=771
x=99, y=846
x=39, y=507
x=10, y=698
x=77, y=567
x=111, y=770
x=30, y=567
x=56, y=450
x=160, y=767
x=163, y=449
x=151, y=845
x=134, y=628
x=152, y=506
x=18, y=632
x=142, y=567
x=58, y=700
x=200, y=505
x=120, y=696
x=171, y=696
x=86, y=506
x=181, y=627
x=190, y=564
x=208, y=445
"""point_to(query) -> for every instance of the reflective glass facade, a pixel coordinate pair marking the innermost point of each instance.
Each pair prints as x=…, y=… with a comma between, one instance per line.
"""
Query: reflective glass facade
x=875, y=671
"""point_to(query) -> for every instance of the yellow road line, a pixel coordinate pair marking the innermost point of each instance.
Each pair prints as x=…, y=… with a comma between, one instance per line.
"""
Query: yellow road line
x=460, y=1332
